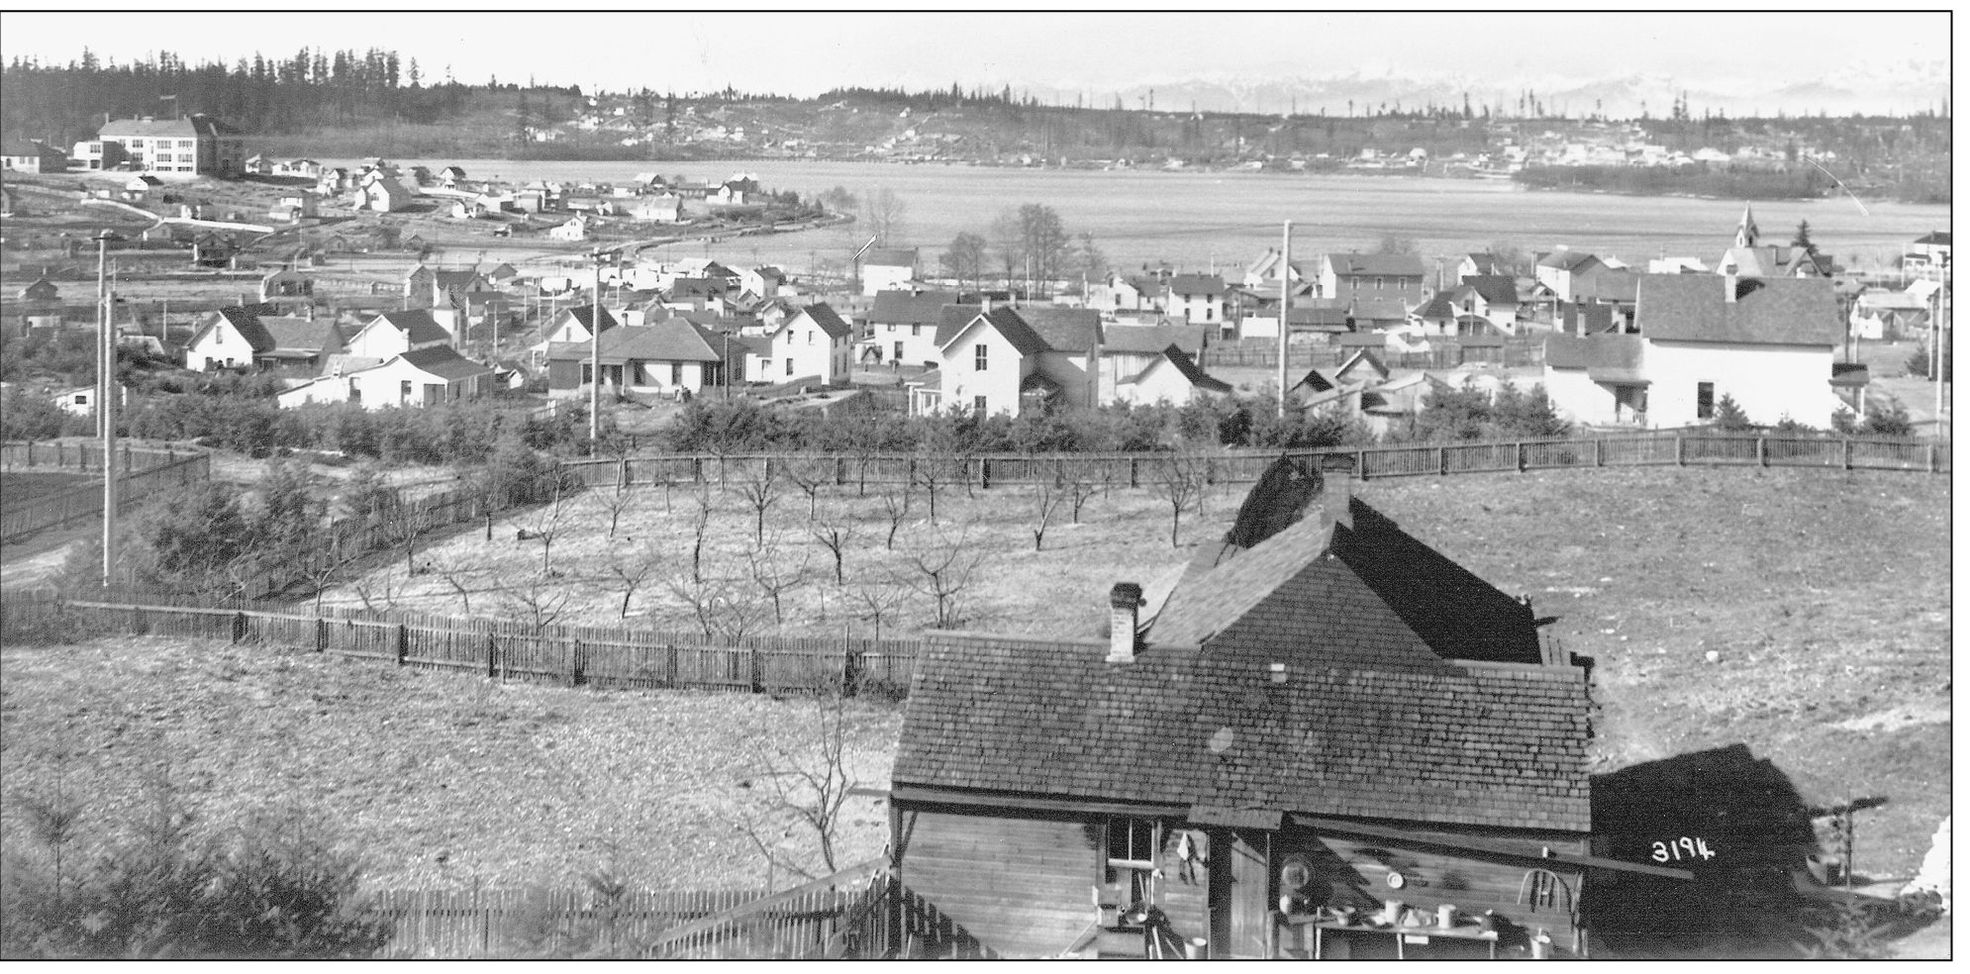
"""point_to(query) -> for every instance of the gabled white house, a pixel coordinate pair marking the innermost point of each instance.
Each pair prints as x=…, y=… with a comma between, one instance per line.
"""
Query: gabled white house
x=1171, y=377
x=1196, y=298
x=396, y=332
x=888, y=269
x=989, y=363
x=815, y=342
x=903, y=326
x=423, y=377
x=1767, y=343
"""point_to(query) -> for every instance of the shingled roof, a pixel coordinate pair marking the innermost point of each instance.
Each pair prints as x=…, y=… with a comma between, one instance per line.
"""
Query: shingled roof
x=1386, y=265
x=1007, y=321
x=1064, y=329
x=1767, y=311
x=419, y=327
x=445, y=362
x=246, y=321
x=825, y=316
x=909, y=307
x=1370, y=721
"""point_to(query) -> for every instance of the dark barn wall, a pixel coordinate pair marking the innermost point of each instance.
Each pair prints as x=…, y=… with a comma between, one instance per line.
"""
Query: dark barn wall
x=1021, y=884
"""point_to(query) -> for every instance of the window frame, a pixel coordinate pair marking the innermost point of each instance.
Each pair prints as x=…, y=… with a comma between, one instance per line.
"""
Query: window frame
x=1706, y=400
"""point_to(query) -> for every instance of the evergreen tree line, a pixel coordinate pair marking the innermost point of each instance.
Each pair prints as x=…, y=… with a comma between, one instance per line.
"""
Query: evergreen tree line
x=65, y=103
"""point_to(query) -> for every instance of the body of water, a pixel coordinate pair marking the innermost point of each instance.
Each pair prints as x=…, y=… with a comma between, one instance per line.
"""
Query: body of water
x=1195, y=220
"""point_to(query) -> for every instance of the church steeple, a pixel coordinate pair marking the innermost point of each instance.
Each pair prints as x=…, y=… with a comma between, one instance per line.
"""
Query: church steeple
x=1747, y=229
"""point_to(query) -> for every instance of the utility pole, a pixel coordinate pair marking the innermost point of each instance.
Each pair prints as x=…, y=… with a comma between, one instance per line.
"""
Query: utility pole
x=595, y=361
x=106, y=403
x=1285, y=302
x=1941, y=363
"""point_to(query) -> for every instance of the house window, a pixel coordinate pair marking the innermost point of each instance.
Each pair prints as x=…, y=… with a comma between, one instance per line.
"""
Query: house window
x=677, y=373
x=810, y=338
x=1706, y=400
x=789, y=366
x=403, y=391
x=1130, y=856
x=1379, y=282
x=978, y=405
x=978, y=356
x=916, y=331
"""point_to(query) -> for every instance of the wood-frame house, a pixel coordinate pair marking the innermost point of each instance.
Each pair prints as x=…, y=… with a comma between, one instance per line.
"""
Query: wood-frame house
x=1323, y=714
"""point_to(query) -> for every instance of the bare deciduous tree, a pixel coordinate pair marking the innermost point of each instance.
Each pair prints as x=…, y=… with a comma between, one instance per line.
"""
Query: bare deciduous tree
x=810, y=474
x=1180, y=481
x=537, y=599
x=1047, y=498
x=932, y=471
x=614, y=501
x=834, y=534
x=944, y=572
x=456, y=575
x=761, y=488
x=547, y=524
x=724, y=608
x=883, y=212
x=700, y=530
x=806, y=787
x=896, y=507
x=1081, y=484
x=879, y=601
x=775, y=575
x=630, y=569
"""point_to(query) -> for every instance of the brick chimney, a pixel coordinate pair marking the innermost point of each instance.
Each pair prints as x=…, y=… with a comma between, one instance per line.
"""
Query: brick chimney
x=1335, y=494
x=1125, y=603
x=1730, y=288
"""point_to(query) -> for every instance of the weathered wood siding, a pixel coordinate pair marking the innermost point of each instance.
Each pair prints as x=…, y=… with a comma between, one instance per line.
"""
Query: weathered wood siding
x=1022, y=885
x=1245, y=894
x=1187, y=904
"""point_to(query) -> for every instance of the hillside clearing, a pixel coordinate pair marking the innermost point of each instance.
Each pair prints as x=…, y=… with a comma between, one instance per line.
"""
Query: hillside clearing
x=1820, y=593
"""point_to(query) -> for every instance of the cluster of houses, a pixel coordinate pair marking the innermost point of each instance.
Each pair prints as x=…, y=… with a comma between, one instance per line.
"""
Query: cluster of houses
x=1618, y=345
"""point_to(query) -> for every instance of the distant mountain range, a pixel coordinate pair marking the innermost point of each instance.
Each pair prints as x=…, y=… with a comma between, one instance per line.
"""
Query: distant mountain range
x=1876, y=87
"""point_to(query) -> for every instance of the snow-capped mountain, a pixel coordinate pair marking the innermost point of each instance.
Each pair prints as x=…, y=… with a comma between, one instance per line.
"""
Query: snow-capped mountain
x=1879, y=86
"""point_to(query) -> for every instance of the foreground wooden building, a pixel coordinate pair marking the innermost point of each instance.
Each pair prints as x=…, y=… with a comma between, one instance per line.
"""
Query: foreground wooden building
x=1323, y=715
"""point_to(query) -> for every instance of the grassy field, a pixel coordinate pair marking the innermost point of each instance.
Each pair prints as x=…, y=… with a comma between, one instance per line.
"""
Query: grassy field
x=1823, y=595
x=437, y=781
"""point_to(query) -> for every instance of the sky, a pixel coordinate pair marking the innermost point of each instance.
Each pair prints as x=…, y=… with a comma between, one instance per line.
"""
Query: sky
x=803, y=54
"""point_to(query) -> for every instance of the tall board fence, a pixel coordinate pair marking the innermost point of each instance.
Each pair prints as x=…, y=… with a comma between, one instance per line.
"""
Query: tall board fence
x=602, y=657
x=143, y=470
x=877, y=470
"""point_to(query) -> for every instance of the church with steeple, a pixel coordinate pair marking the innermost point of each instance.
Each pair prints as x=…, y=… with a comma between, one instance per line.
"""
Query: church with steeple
x=1746, y=257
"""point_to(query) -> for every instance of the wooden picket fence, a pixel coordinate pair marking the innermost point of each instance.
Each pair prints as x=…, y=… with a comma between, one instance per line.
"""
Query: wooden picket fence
x=479, y=923
x=862, y=912
x=603, y=657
